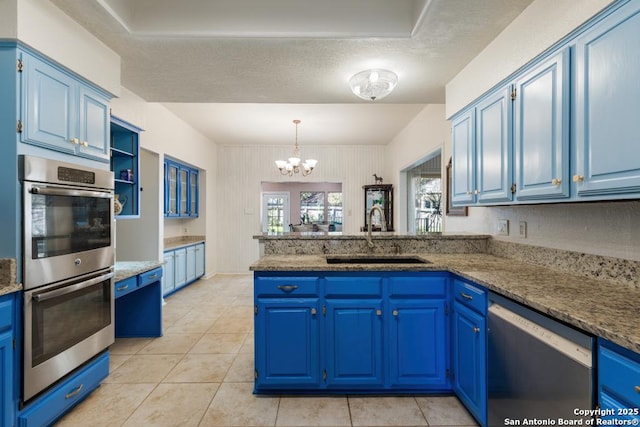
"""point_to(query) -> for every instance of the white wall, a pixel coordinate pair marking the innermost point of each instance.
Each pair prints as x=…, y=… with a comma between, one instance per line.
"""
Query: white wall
x=608, y=228
x=167, y=135
x=47, y=29
x=8, y=19
x=538, y=27
x=427, y=133
x=241, y=169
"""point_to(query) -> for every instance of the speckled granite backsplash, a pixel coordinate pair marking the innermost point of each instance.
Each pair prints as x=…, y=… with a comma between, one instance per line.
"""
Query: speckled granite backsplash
x=383, y=245
x=8, y=273
x=621, y=271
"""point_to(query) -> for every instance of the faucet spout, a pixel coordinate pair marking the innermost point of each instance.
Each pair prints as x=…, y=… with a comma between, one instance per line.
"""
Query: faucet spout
x=383, y=221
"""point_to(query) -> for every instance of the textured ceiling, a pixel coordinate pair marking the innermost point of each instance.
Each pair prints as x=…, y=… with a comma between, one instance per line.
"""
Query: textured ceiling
x=290, y=52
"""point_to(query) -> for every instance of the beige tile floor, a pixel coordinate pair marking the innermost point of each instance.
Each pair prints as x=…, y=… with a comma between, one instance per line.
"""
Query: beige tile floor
x=200, y=373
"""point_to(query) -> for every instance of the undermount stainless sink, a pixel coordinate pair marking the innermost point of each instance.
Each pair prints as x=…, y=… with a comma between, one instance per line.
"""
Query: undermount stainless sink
x=376, y=259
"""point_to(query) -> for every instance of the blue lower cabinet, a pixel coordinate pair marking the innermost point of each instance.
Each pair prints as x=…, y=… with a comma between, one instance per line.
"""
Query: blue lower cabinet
x=287, y=343
x=417, y=351
x=354, y=344
x=7, y=361
x=138, y=305
x=183, y=265
x=45, y=410
x=618, y=384
x=351, y=332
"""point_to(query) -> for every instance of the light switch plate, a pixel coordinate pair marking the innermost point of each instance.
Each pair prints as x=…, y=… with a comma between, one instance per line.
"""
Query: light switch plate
x=522, y=231
x=502, y=227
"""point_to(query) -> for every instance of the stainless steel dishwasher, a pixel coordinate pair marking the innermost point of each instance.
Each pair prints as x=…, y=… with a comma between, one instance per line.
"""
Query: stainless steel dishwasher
x=538, y=368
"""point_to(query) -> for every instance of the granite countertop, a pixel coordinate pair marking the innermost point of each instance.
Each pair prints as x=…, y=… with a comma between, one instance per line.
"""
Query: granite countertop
x=605, y=309
x=338, y=235
x=126, y=269
x=8, y=276
x=177, y=242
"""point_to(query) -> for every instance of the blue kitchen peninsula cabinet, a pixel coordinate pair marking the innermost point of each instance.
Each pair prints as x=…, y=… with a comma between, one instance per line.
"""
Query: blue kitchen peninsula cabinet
x=8, y=361
x=61, y=112
x=287, y=332
x=351, y=332
x=469, y=347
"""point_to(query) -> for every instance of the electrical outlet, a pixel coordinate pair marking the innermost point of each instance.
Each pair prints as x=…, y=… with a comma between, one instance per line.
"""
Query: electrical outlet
x=522, y=231
x=502, y=227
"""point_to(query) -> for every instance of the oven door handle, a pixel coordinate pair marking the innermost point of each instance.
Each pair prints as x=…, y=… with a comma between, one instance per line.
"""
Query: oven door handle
x=50, y=191
x=73, y=288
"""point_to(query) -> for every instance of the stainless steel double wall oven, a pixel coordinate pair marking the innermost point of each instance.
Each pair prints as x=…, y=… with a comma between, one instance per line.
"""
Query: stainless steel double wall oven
x=68, y=249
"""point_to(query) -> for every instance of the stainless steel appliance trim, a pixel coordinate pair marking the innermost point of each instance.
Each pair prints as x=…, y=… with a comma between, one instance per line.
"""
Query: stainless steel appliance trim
x=47, y=295
x=38, y=169
x=37, y=378
x=67, y=191
x=39, y=272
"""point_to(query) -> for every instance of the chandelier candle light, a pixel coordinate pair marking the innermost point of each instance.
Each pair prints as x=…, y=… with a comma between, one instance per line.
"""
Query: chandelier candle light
x=292, y=165
x=373, y=84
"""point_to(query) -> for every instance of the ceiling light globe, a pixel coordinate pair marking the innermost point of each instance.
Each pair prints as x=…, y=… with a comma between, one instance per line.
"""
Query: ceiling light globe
x=373, y=84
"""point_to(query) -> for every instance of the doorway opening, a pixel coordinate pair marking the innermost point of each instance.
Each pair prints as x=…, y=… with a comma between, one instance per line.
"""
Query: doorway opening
x=424, y=196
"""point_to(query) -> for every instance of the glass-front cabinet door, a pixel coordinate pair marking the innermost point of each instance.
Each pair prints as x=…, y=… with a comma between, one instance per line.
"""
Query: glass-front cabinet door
x=171, y=189
x=193, y=193
x=183, y=190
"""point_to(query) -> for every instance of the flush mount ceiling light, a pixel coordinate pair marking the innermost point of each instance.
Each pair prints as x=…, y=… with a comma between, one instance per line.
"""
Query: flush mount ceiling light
x=292, y=165
x=373, y=84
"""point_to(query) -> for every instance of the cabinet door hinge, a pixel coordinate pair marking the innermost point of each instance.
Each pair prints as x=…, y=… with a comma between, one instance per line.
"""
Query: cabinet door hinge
x=255, y=309
x=324, y=375
x=446, y=309
x=19, y=127
x=514, y=187
x=15, y=344
x=514, y=93
x=19, y=65
x=324, y=310
x=449, y=374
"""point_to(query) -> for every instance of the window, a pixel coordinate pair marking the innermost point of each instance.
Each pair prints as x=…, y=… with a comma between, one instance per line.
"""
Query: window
x=312, y=207
x=335, y=207
x=275, y=212
x=424, y=197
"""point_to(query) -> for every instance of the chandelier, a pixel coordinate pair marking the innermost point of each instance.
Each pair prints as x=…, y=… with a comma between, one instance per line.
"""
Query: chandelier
x=292, y=165
x=373, y=84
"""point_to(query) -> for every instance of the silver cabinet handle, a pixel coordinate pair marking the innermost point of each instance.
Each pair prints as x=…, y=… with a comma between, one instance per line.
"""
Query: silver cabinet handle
x=394, y=312
x=578, y=178
x=556, y=181
x=476, y=329
x=637, y=388
x=466, y=296
x=123, y=288
x=314, y=311
x=84, y=143
x=378, y=312
x=74, y=141
x=74, y=392
x=287, y=288
x=153, y=276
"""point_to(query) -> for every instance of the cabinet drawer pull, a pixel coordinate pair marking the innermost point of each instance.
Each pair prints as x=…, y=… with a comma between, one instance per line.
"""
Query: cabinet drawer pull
x=74, y=392
x=153, y=276
x=637, y=388
x=287, y=288
x=123, y=288
x=466, y=296
x=476, y=329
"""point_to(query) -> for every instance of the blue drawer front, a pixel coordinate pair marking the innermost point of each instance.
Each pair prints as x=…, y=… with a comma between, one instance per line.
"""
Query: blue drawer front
x=58, y=400
x=125, y=286
x=286, y=286
x=619, y=376
x=341, y=287
x=418, y=286
x=470, y=295
x=148, y=277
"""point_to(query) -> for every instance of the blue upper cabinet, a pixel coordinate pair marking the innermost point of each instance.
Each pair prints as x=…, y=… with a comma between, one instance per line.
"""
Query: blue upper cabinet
x=481, y=141
x=125, y=164
x=463, y=145
x=181, y=190
x=62, y=113
x=541, y=130
x=493, y=148
x=607, y=145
